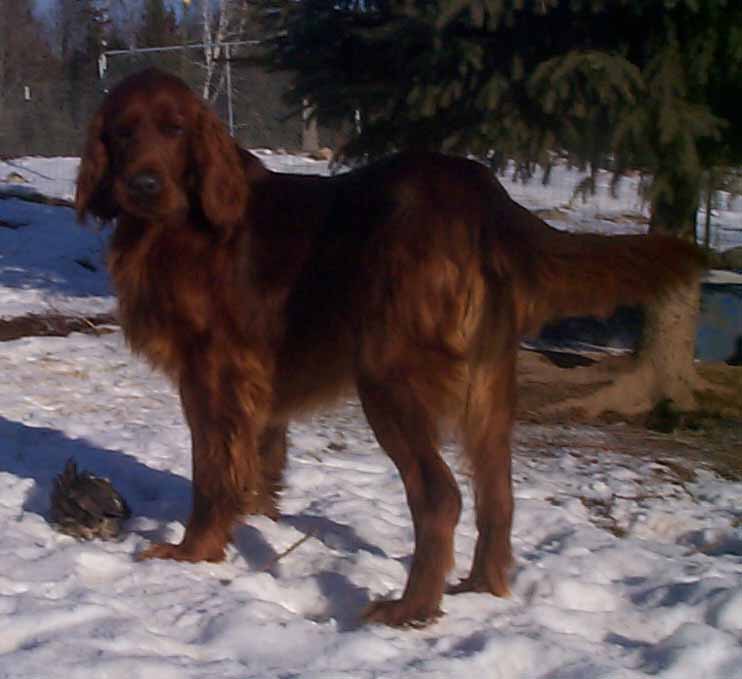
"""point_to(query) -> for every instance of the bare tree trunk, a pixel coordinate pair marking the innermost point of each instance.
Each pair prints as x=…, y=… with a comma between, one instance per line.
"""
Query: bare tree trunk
x=675, y=211
x=213, y=42
x=208, y=50
x=668, y=346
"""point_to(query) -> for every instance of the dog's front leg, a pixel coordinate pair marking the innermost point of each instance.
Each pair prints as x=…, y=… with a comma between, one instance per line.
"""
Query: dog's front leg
x=225, y=416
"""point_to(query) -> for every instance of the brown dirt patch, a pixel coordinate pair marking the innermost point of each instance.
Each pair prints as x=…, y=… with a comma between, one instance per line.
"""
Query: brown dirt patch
x=711, y=436
x=54, y=325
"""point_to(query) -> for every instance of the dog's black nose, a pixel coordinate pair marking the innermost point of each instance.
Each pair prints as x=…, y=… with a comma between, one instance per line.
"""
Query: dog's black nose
x=145, y=184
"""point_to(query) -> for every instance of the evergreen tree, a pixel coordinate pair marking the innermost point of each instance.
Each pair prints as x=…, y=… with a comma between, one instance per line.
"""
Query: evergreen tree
x=25, y=58
x=83, y=27
x=159, y=25
x=611, y=83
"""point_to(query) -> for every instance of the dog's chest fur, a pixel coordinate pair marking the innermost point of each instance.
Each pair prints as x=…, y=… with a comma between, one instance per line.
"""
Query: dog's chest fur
x=171, y=291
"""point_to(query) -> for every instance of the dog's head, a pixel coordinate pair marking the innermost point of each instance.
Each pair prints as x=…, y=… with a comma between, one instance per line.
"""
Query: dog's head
x=153, y=149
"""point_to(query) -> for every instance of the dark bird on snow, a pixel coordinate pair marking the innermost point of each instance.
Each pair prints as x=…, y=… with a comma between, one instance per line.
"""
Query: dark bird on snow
x=87, y=506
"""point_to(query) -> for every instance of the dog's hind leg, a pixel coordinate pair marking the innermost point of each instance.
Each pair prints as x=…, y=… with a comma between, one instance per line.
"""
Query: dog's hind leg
x=409, y=435
x=487, y=423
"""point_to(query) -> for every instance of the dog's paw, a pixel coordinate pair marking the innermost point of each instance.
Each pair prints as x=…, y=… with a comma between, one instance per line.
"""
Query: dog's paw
x=400, y=613
x=181, y=552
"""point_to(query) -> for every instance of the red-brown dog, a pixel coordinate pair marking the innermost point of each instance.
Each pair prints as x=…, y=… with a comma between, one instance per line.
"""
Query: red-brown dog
x=263, y=294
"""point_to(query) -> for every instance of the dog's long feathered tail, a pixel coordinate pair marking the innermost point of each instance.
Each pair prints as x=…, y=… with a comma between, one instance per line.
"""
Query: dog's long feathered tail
x=556, y=274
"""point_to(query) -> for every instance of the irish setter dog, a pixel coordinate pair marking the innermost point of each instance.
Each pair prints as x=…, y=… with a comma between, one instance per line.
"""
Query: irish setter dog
x=262, y=295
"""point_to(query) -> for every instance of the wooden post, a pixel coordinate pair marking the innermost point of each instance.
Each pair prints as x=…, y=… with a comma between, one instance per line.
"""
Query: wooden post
x=309, y=132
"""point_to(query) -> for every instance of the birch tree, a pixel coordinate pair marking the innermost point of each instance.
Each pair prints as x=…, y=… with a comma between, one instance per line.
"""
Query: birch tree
x=222, y=20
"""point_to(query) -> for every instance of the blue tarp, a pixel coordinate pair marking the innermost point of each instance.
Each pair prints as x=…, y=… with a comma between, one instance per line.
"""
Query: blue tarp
x=719, y=336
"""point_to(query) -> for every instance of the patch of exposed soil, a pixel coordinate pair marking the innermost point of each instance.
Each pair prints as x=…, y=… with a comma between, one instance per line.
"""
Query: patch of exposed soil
x=710, y=436
x=54, y=325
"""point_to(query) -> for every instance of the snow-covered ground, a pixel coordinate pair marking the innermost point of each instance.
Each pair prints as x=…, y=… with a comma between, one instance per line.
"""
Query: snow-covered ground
x=625, y=569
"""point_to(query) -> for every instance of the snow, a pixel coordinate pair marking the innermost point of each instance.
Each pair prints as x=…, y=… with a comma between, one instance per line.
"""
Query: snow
x=624, y=570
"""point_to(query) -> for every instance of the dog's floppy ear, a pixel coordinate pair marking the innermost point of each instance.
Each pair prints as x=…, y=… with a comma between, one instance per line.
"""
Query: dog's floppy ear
x=93, y=192
x=222, y=183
